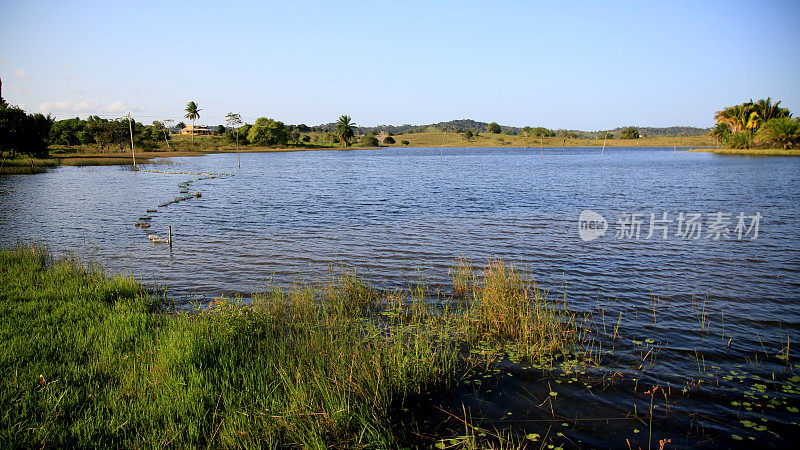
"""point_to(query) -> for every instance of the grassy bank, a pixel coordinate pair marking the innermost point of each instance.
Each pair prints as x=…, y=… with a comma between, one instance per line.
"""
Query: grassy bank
x=449, y=139
x=751, y=151
x=93, y=360
x=24, y=165
x=321, y=141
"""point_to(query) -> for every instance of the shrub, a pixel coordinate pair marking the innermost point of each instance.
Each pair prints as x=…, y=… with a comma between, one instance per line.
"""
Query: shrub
x=369, y=141
x=740, y=139
x=268, y=132
x=783, y=131
x=404, y=142
x=629, y=133
x=388, y=140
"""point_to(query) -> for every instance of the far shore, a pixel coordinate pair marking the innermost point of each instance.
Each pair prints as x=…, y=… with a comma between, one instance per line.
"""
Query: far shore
x=91, y=155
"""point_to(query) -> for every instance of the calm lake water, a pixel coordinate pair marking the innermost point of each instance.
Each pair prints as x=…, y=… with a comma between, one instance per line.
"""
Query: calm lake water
x=398, y=215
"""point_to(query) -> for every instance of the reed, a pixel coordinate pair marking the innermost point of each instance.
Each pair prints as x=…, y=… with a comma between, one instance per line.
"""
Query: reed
x=463, y=276
x=509, y=308
x=91, y=359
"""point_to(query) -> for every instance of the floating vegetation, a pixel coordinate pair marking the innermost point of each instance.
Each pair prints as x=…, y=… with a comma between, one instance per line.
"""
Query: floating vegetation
x=155, y=239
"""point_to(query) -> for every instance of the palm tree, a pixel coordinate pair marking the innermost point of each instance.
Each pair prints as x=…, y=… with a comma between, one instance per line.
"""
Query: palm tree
x=766, y=110
x=192, y=113
x=721, y=132
x=344, y=130
x=564, y=134
x=234, y=121
x=739, y=117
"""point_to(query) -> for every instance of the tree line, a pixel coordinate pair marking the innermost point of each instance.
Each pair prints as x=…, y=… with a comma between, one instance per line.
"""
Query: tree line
x=107, y=133
x=760, y=124
x=21, y=132
x=751, y=124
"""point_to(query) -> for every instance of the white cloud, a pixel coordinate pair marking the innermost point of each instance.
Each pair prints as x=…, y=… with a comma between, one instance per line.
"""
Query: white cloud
x=117, y=107
x=88, y=106
x=18, y=90
x=21, y=74
x=54, y=107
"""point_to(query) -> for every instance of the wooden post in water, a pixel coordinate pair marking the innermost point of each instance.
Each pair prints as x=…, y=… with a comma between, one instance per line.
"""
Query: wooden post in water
x=441, y=149
x=170, y=237
x=130, y=127
x=604, y=144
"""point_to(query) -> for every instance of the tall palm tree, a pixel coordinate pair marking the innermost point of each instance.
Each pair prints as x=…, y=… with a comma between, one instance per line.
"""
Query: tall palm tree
x=767, y=111
x=739, y=117
x=192, y=113
x=725, y=117
x=344, y=129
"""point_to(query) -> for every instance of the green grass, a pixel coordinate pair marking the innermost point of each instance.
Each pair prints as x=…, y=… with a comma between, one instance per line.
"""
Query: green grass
x=451, y=139
x=25, y=165
x=94, y=360
x=752, y=151
x=507, y=308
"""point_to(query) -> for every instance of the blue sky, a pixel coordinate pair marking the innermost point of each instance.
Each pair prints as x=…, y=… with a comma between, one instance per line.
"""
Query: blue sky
x=575, y=65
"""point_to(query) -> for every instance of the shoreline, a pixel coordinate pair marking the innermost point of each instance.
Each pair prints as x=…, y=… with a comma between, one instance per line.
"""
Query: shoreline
x=748, y=151
x=81, y=156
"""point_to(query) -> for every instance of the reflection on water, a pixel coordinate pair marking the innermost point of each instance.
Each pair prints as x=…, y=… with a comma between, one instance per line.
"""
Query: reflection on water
x=401, y=214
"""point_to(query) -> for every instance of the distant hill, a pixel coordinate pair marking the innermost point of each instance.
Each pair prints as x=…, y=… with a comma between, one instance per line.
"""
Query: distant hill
x=463, y=125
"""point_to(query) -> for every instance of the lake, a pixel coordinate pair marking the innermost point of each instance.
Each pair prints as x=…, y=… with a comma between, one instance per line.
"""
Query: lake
x=723, y=295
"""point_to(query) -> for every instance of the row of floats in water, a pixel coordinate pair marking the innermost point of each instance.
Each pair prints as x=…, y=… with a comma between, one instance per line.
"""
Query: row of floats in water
x=144, y=221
